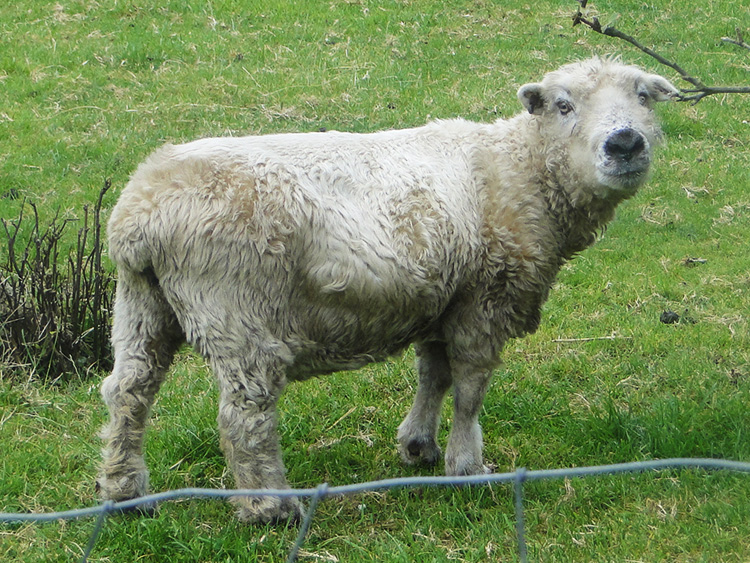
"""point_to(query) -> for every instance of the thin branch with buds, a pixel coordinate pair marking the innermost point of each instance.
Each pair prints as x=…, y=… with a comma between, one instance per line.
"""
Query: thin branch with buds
x=699, y=90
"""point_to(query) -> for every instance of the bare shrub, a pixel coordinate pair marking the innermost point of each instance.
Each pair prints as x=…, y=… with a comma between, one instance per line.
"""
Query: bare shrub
x=54, y=312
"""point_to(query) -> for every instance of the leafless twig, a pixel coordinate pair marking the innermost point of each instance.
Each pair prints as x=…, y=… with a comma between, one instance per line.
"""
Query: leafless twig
x=740, y=41
x=699, y=90
x=591, y=339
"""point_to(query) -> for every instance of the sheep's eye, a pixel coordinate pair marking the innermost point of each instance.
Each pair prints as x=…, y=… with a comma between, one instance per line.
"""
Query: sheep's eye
x=643, y=98
x=564, y=107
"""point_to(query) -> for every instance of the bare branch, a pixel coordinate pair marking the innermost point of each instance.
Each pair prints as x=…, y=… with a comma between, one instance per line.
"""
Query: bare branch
x=699, y=90
x=591, y=339
x=740, y=41
x=697, y=94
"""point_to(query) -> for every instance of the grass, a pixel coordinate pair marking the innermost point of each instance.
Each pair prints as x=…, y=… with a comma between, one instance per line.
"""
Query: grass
x=88, y=89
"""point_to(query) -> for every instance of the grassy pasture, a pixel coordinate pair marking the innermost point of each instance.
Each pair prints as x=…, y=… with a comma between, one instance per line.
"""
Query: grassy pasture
x=88, y=89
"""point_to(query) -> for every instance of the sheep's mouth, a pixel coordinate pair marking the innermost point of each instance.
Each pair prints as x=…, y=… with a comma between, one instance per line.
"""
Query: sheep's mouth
x=624, y=174
x=624, y=181
x=627, y=174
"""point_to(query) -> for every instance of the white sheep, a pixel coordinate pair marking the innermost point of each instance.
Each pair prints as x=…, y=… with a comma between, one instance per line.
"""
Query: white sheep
x=285, y=256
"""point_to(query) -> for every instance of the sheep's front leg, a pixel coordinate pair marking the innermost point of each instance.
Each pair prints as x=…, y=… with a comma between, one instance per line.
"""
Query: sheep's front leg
x=463, y=455
x=417, y=433
x=249, y=438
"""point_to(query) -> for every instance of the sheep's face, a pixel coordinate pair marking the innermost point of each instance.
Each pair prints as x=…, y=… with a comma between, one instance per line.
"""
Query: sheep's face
x=597, y=121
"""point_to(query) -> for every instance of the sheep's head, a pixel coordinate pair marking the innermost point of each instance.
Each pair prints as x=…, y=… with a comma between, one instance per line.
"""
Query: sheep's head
x=597, y=121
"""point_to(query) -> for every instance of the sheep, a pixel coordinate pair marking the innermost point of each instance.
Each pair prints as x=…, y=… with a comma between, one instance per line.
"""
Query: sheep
x=282, y=257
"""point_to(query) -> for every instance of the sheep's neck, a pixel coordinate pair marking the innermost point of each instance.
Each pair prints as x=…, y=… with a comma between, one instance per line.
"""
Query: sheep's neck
x=580, y=219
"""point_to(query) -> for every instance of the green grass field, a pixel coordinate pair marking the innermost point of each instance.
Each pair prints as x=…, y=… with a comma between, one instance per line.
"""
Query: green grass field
x=89, y=89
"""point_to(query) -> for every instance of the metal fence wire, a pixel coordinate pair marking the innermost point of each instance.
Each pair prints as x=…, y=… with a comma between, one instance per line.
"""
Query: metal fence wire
x=517, y=478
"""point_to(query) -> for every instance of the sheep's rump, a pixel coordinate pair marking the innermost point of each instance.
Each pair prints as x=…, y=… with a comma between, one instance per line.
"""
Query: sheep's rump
x=337, y=248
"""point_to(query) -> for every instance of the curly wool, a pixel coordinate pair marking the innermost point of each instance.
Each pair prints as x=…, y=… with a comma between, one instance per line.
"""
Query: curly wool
x=286, y=256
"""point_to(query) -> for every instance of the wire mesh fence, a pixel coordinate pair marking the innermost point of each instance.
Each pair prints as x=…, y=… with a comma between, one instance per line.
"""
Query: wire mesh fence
x=517, y=478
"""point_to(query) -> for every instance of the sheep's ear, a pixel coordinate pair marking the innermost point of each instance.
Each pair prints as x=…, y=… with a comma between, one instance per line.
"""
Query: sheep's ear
x=531, y=97
x=661, y=89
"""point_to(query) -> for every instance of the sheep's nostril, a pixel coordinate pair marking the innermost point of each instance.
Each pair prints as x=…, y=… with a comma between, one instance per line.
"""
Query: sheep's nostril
x=625, y=144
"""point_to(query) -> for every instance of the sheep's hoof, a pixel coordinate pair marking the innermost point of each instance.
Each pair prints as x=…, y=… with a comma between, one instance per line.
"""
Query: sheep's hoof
x=268, y=510
x=462, y=468
x=147, y=509
x=420, y=451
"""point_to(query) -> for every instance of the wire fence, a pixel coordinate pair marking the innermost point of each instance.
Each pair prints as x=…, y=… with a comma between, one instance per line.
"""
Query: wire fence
x=517, y=478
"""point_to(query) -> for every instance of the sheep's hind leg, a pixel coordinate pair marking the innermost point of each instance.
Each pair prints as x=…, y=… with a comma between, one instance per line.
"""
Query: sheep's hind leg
x=249, y=436
x=417, y=434
x=145, y=336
